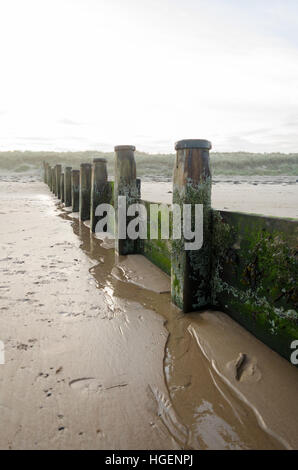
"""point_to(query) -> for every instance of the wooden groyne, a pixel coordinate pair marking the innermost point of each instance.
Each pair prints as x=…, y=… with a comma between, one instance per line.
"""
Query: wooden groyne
x=246, y=266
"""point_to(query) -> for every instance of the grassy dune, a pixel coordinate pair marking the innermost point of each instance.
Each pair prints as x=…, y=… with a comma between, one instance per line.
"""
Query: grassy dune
x=158, y=166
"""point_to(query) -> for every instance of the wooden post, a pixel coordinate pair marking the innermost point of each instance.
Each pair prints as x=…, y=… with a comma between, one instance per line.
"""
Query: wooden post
x=54, y=180
x=85, y=191
x=58, y=174
x=99, y=188
x=126, y=185
x=75, y=190
x=62, y=187
x=49, y=176
x=191, y=269
x=44, y=164
x=67, y=186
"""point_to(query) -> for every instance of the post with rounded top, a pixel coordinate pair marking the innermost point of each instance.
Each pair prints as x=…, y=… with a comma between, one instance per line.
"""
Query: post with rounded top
x=67, y=186
x=85, y=191
x=191, y=268
x=99, y=188
x=75, y=190
x=62, y=187
x=58, y=169
x=126, y=185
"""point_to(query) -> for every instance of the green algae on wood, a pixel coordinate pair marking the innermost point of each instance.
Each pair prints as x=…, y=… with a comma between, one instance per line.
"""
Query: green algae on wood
x=254, y=275
x=191, y=269
x=100, y=189
x=127, y=186
x=158, y=250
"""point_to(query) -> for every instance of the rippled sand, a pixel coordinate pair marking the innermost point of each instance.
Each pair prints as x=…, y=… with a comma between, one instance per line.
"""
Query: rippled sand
x=98, y=358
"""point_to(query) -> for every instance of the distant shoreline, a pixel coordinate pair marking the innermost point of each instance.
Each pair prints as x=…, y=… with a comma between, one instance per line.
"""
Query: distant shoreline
x=159, y=167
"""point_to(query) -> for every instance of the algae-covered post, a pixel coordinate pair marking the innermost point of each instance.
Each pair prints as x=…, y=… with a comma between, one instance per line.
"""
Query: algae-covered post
x=99, y=188
x=191, y=269
x=75, y=190
x=127, y=186
x=85, y=191
x=62, y=187
x=58, y=173
x=67, y=186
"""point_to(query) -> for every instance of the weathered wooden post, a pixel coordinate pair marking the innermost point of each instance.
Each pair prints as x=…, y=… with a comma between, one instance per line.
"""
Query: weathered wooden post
x=67, y=186
x=75, y=190
x=85, y=191
x=44, y=171
x=49, y=176
x=191, y=269
x=62, y=187
x=51, y=179
x=127, y=185
x=99, y=188
x=58, y=174
x=54, y=180
x=53, y=176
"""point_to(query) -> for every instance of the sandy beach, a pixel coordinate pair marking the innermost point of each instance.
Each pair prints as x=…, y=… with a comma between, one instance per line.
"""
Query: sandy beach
x=96, y=356
x=271, y=196
x=149, y=229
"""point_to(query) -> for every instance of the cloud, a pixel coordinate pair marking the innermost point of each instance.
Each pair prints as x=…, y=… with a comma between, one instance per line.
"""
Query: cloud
x=150, y=73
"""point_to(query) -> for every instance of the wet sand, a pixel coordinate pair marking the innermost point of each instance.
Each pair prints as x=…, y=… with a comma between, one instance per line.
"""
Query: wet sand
x=98, y=358
x=263, y=196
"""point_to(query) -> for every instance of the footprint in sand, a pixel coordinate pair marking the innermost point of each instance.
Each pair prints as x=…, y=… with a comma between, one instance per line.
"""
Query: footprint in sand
x=91, y=384
x=245, y=369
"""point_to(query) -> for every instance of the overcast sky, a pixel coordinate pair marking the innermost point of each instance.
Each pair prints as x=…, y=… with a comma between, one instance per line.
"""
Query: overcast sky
x=90, y=74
